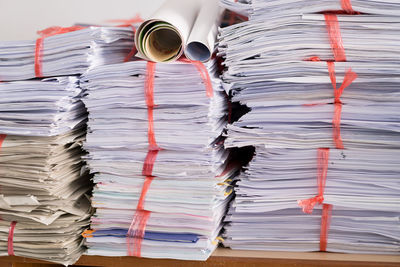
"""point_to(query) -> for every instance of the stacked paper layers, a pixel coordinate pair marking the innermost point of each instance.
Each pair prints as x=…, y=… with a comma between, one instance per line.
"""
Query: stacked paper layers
x=258, y=8
x=190, y=191
x=292, y=106
x=66, y=53
x=362, y=185
x=42, y=178
x=289, y=38
x=277, y=67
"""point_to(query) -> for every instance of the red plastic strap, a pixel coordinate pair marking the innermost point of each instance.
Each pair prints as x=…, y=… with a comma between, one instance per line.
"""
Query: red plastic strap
x=346, y=6
x=313, y=59
x=150, y=132
x=127, y=22
x=337, y=137
x=203, y=73
x=335, y=37
x=349, y=77
x=325, y=224
x=232, y=17
x=39, y=44
x=136, y=233
x=149, y=162
x=149, y=84
x=149, y=94
x=2, y=138
x=322, y=170
x=137, y=228
x=10, y=242
x=133, y=50
x=145, y=188
x=138, y=225
x=39, y=57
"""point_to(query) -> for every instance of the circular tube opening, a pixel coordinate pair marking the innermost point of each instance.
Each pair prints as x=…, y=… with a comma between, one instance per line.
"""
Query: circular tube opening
x=197, y=51
x=163, y=44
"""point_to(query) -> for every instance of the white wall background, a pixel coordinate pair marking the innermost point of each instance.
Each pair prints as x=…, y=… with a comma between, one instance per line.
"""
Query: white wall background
x=20, y=19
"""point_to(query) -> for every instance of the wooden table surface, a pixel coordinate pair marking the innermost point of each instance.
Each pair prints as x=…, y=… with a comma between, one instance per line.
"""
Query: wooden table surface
x=227, y=257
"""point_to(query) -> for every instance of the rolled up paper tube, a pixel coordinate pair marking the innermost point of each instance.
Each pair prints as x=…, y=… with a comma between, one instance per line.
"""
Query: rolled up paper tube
x=162, y=38
x=202, y=38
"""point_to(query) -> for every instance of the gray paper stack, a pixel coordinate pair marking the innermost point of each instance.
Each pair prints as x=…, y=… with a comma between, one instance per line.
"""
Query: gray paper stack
x=43, y=180
x=277, y=66
x=190, y=189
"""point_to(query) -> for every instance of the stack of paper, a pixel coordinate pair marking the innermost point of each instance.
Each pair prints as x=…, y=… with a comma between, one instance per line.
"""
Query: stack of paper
x=292, y=105
x=362, y=185
x=290, y=38
x=277, y=66
x=43, y=181
x=258, y=8
x=189, y=191
x=65, y=53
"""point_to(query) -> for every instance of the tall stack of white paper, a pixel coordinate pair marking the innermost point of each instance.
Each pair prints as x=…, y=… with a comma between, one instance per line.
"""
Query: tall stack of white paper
x=276, y=65
x=43, y=181
x=189, y=193
x=65, y=53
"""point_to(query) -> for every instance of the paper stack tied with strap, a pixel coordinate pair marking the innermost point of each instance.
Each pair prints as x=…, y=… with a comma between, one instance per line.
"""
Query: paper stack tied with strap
x=43, y=182
x=321, y=81
x=65, y=51
x=162, y=177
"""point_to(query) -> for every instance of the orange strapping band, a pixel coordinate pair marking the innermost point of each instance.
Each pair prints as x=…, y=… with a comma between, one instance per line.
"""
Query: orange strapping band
x=322, y=170
x=149, y=83
x=128, y=23
x=232, y=17
x=149, y=162
x=2, y=138
x=88, y=233
x=349, y=77
x=346, y=6
x=10, y=242
x=133, y=50
x=137, y=228
x=203, y=73
x=335, y=37
x=149, y=94
x=39, y=44
x=136, y=232
x=145, y=189
x=325, y=224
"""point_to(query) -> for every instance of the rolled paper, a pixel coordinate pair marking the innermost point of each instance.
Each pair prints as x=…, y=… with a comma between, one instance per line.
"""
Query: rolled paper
x=163, y=36
x=201, y=43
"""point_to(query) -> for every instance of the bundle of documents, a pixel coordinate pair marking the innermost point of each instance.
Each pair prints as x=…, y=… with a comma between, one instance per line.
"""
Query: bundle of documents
x=313, y=83
x=43, y=181
x=286, y=38
x=188, y=185
x=64, y=51
x=258, y=8
x=292, y=105
x=362, y=185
